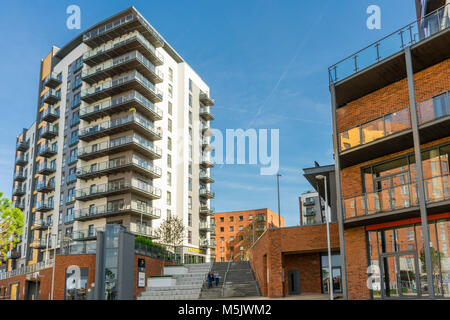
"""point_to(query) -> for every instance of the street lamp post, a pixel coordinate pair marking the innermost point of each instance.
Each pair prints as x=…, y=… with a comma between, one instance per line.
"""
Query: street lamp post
x=278, y=189
x=327, y=215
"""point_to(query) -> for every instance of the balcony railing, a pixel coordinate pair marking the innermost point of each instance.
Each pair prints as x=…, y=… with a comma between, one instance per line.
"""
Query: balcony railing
x=111, y=87
x=103, y=128
x=207, y=243
x=119, y=46
x=122, y=103
x=87, y=234
x=434, y=108
x=153, y=151
x=205, y=176
x=53, y=80
x=310, y=212
x=18, y=191
x=105, y=210
x=102, y=168
x=205, y=99
x=46, y=169
x=130, y=60
x=19, y=176
x=309, y=202
x=412, y=33
x=45, y=186
x=102, y=190
x=48, y=132
x=21, y=160
x=375, y=129
x=207, y=193
x=51, y=96
x=44, y=206
x=27, y=269
x=22, y=145
x=207, y=210
x=142, y=230
x=50, y=115
x=396, y=198
x=48, y=151
x=20, y=205
x=206, y=113
x=206, y=226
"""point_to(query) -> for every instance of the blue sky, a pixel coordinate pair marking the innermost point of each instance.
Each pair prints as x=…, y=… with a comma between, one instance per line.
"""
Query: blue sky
x=265, y=61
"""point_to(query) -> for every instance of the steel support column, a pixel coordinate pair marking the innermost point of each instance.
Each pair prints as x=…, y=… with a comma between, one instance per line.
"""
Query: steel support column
x=339, y=210
x=418, y=155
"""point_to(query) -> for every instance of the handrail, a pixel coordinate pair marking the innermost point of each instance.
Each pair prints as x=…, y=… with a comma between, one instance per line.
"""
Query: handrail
x=226, y=273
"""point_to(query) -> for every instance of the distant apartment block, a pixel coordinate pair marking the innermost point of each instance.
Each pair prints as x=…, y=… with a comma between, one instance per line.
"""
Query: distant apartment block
x=236, y=231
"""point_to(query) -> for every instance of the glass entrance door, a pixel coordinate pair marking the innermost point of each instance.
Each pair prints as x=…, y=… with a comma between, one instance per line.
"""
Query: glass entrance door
x=400, y=275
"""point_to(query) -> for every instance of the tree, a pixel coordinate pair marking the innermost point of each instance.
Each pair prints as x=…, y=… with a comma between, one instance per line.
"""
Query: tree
x=171, y=232
x=11, y=225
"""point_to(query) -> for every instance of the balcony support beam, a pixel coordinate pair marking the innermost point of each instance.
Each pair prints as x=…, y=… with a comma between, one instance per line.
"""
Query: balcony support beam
x=418, y=155
x=339, y=211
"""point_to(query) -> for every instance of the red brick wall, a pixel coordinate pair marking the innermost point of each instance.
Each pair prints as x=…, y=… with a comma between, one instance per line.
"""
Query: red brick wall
x=356, y=256
x=306, y=242
x=310, y=272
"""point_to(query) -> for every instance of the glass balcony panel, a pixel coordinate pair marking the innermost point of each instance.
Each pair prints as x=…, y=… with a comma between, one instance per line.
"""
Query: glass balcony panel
x=372, y=130
x=397, y=121
x=434, y=108
x=350, y=138
x=434, y=189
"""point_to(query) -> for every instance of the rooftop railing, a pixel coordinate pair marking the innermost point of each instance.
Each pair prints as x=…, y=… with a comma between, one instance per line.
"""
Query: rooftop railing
x=414, y=32
x=27, y=269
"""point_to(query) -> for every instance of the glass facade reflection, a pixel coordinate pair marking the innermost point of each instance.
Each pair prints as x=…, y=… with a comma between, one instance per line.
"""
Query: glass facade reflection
x=335, y=272
x=397, y=260
x=111, y=260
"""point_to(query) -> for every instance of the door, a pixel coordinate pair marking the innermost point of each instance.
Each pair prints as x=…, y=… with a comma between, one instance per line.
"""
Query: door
x=294, y=282
x=400, y=275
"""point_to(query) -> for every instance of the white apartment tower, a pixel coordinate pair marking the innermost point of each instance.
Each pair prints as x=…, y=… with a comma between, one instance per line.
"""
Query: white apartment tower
x=121, y=137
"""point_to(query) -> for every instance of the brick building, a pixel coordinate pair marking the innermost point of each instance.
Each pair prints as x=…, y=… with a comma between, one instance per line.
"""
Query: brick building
x=236, y=231
x=391, y=112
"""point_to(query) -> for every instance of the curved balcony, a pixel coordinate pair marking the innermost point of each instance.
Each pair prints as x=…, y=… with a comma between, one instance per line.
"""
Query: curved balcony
x=131, y=81
x=48, y=132
x=111, y=30
x=206, y=210
x=142, y=230
x=133, y=122
x=22, y=145
x=43, y=206
x=53, y=80
x=204, y=193
x=110, y=189
x=133, y=60
x=122, y=103
x=112, y=167
x=205, y=99
x=21, y=161
x=45, y=187
x=119, y=145
x=18, y=191
x=19, y=176
x=48, y=151
x=120, y=47
x=51, y=96
x=50, y=115
x=206, y=226
x=96, y=212
x=206, y=114
x=46, y=169
x=205, y=177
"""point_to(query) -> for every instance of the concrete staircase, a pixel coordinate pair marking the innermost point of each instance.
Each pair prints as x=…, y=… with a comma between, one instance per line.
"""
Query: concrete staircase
x=188, y=284
x=239, y=282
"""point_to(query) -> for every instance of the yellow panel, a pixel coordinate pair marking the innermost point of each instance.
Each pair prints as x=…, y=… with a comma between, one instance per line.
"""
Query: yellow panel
x=47, y=65
x=13, y=293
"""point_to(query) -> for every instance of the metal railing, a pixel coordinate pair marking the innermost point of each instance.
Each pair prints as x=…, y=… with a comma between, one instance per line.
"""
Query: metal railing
x=434, y=108
x=103, y=210
x=399, y=197
x=414, y=32
x=27, y=269
x=112, y=164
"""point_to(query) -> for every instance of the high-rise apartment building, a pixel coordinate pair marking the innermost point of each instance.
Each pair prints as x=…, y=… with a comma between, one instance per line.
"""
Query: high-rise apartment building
x=312, y=208
x=391, y=121
x=121, y=137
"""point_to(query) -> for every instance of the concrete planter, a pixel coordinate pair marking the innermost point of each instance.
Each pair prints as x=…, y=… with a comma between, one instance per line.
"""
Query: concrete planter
x=161, y=282
x=176, y=270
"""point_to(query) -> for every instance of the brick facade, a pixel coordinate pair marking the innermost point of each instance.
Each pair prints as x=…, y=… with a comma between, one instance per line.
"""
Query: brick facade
x=293, y=248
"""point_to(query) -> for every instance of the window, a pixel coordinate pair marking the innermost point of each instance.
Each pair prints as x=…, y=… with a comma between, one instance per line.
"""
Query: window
x=231, y=238
x=169, y=178
x=241, y=228
x=190, y=184
x=190, y=117
x=231, y=228
x=169, y=198
x=190, y=220
x=170, y=108
x=241, y=218
x=169, y=214
x=70, y=195
x=189, y=236
x=231, y=219
x=222, y=239
x=169, y=161
x=169, y=125
x=189, y=202
x=241, y=238
x=222, y=219
x=170, y=89
x=222, y=229
x=169, y=143
x=250, y=217
x=170, y=74
x=190, y=100
x=190, y=85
